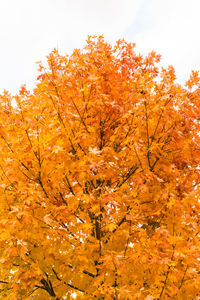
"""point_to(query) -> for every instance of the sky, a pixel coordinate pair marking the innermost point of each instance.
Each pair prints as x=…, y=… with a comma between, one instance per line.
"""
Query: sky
x=31, y=29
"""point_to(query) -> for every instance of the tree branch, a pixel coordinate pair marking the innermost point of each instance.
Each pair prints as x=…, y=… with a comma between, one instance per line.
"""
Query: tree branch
x=68, y=284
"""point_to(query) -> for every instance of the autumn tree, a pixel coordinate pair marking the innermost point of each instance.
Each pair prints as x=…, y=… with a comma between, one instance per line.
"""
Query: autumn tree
x=99, y=180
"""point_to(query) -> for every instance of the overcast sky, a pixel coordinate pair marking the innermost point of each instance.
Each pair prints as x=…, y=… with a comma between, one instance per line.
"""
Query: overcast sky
x=30, y=29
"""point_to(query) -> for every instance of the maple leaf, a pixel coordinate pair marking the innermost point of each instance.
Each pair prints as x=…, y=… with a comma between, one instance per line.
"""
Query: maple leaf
x=94, y=150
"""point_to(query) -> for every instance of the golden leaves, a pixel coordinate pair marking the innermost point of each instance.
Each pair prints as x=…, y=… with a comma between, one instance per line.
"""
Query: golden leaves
x=99, y=179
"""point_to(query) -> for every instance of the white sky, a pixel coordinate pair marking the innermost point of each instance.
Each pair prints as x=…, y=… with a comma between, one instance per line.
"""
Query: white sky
x=30, y=29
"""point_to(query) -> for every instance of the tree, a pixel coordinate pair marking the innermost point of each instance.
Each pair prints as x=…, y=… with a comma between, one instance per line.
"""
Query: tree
x=99, y=180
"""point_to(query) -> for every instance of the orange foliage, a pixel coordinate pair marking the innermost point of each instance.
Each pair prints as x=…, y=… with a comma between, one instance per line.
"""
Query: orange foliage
x=99, y=180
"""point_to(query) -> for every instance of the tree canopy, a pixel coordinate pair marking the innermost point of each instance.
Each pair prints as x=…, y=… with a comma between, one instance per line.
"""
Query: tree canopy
x=99, y=180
